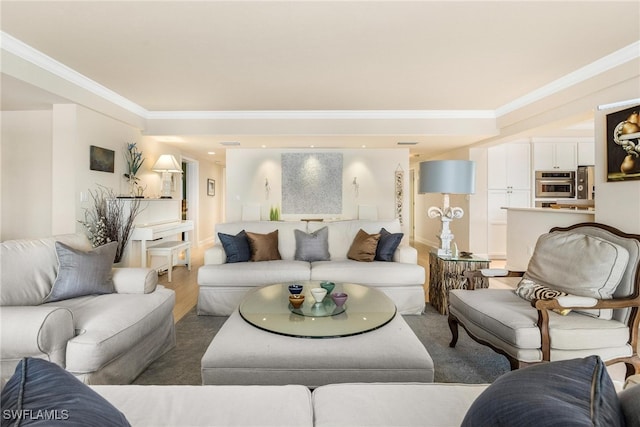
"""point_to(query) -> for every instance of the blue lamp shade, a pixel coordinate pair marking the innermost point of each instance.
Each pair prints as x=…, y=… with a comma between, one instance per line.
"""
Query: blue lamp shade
x=448, y=177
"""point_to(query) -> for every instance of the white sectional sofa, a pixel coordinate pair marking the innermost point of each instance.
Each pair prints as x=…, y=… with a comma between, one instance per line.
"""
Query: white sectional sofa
x=102, y=339
x=223, y=285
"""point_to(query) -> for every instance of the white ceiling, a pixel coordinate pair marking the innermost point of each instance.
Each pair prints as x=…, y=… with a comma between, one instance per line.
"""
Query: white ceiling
x=319, y=55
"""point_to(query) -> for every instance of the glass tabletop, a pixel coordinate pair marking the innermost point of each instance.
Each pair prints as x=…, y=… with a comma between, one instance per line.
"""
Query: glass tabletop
x=268, y=308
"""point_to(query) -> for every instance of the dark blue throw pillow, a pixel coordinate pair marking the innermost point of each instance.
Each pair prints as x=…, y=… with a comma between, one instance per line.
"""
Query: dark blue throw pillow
x=236, y=247
x=387, y=245
x=576, y=392
x=41, y=393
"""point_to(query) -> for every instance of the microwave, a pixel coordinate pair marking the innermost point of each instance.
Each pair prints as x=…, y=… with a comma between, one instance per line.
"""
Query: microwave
x=555, y=184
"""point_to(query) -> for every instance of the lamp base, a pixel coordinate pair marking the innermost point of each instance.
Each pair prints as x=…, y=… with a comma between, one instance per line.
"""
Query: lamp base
x=443, y=252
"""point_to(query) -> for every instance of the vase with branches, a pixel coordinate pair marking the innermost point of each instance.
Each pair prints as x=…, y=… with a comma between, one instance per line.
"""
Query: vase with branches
x=107, y=220
x=134, y=160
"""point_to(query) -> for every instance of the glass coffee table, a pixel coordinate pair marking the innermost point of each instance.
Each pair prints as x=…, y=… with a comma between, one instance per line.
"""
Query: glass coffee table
x=268, y=308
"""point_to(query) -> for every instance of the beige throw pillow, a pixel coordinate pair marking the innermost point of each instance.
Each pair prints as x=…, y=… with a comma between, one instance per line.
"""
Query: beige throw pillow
x=264, y=247
x=364, y=246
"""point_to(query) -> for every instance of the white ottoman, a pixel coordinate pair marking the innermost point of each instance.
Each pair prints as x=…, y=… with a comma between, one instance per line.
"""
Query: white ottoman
x=241, y=354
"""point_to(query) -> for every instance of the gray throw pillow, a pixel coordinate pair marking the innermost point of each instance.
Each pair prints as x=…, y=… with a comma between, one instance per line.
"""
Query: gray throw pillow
x=312, y=246
x=83, y=273
x=41, y=393
x=575, y=392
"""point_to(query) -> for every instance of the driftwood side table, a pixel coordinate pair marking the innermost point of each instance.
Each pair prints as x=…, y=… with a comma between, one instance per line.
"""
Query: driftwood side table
x=446, y=273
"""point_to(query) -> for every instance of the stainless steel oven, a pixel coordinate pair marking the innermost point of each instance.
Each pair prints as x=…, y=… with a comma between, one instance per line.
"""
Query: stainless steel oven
x=555, y=184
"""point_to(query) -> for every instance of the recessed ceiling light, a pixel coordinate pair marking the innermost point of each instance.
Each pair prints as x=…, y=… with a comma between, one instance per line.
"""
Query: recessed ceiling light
x=264, y=146
x=364, y=146
x=312, y=146
x=213, y=153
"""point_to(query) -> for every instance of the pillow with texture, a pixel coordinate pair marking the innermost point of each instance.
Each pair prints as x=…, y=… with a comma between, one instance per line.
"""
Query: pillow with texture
x=630, y=402
x=312, y=246
x=264, y=247
x=236, y=247
x=364, y=246
x=586, y=266
x=83, y=273
x=576, y=392
x=530, y=290
x=387, y=245
x=44, y=394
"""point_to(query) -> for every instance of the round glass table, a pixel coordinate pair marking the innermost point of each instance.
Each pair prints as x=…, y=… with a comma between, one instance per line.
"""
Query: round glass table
x=268, y=308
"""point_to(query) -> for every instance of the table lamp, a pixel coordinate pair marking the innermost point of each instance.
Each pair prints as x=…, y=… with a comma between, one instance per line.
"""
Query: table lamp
x=167, y=164
x=447, y=177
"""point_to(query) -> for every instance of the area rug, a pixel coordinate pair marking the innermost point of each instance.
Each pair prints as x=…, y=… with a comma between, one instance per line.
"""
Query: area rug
x=469, y=362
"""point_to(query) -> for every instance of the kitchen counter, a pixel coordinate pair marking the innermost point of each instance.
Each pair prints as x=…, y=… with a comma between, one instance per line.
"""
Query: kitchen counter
x=555, y=210
x=525, y=225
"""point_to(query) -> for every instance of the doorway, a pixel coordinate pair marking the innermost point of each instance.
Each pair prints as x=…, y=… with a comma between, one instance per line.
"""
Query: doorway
x=190, y=193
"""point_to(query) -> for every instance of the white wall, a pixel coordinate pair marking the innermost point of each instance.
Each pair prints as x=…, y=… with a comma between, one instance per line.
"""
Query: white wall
x=45, y=169
x=375, y=169
x=427, y=230
x=25, y=148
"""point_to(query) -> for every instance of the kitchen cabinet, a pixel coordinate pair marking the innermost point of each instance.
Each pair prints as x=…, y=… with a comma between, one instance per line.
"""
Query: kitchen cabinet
x=509, y=167
x=509, y=185
x=586, y=154
x=550, y=156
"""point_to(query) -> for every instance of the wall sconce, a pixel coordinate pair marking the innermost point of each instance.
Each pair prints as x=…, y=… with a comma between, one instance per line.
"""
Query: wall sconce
x=447, y=177
x=166, y=164
x=356, y=187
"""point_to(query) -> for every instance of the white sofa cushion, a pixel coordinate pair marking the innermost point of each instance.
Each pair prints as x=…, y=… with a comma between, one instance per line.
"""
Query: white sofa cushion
x=107, y=326
x=370, y=273
x=585, y=266
x=212, y=406
x=393, y=404
x=30, y=266
x=253, y=273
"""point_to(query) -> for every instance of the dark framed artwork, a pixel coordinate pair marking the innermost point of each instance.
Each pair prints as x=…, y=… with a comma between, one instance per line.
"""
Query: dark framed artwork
x=101, y=159
x=211, y=187
x=623, y=145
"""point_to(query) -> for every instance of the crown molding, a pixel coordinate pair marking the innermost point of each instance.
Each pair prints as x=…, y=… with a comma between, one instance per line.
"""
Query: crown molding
x=321, y=115
x=27, y=53
x=602, y=65
x=22, y=50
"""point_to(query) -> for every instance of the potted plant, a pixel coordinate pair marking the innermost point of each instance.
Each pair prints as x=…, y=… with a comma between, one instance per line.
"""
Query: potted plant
x=134, y=160
x=107, y=221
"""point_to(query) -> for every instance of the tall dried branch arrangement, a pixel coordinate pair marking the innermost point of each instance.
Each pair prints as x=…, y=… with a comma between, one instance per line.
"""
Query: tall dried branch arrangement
x=107, y=221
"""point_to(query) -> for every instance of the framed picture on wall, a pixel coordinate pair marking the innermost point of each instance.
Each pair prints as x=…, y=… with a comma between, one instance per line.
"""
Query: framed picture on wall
x=623, y=145
x=101, y=159
x=211, y=187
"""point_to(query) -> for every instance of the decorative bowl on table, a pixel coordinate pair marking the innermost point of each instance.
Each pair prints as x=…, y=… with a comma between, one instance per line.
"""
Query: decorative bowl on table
x=295, y=289
x=328, y=286
x=339, y=298
x=318, y=294
x=296, y=300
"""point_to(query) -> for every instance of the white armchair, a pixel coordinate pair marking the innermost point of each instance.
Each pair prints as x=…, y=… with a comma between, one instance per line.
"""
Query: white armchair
x=583, y=291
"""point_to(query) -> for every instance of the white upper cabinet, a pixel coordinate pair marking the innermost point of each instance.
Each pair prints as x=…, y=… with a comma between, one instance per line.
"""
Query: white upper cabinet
x=509, y=167
x=549, y=156
x=586, y=154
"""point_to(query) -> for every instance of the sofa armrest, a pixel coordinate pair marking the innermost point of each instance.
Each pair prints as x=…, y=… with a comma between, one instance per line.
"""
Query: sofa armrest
x=37, y=331
x=135, y=280
x=406, y=254
x=215, y=255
